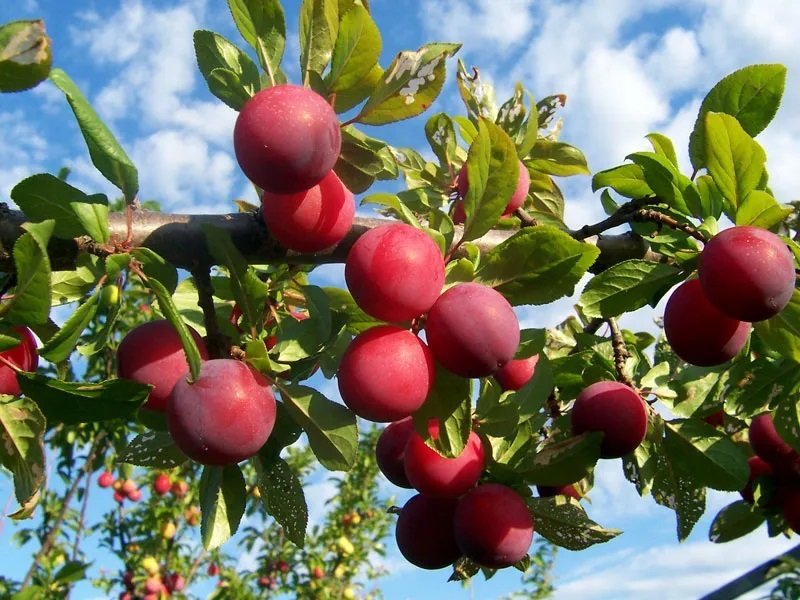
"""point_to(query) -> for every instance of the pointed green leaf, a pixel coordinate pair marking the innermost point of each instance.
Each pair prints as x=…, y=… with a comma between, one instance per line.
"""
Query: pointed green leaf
x=782, y=332
x=223, y=494
x=22, y=427
x=567, y=461
x=562, y=521
x=557, y=158
x=231, y=75
x=676, y=490
x=154, y=266
x=536, y=265
x=319, y=25
x=408, y=86
x=60, y=346
x=449, y=402
x=283, y=497
x=760, y=209
x=263, y=26
x=751, y=95
x=331, y=427
x=734, y=521
x=441, y=135
x=25, y=55
x=627, y=180
x=663, y=178
x=107, y=155
x=663, y=146
x=357, y=49
x=153, y=449
x=627, y=286
x=31, y=301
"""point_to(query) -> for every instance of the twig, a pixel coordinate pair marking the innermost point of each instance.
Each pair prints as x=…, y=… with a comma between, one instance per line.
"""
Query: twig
x=218, y=346
x=620, y=351
x=647, y=214
x=194, y=566
x=527, y=220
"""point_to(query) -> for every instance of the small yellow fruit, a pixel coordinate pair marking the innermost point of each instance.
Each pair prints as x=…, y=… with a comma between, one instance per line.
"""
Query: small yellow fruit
x=168, y=530
x=150, y=565
x=345, y=545
x=256, y=492
x=339, y=572
x=355, y=519
x=109, y=297
x=348, y=593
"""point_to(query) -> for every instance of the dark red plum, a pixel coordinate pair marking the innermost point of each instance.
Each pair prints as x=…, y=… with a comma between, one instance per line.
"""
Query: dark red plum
x=516, y=373
x=390, y=451
x=472, y=330
x=698, y=331
x=424, y=532
x=224, y=416
x=769, y=445
x=614, y=409
x=546, y=491
x=758, y=468
x=394, y=272
x=493, y=526
x=286, y=139
x=24, y=356
x=747, y=273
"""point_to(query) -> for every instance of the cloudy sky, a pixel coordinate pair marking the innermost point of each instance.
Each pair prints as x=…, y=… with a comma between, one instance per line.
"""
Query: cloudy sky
x=628, y=67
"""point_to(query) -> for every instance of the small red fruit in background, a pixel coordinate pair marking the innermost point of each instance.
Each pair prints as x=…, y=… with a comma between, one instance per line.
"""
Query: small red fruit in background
x=152, y=354
x=24, y=356
x=135, y=495
x=310, y=220
x=547, y=491
x=119, y=496
x=179, y=489
x=424, y=532
x=390, y=451
x=317, y=573
x=225, y=416
x=128, y=487
x=715, y=419
x=698, y=331
x=493, y=526
x=385, y=374
x=394, y=272
x=615, y=409
x=213, y=570
x=434, y=475
x=747, y=272
x=472, y=330
x=105, y=480
x=516, y=373
x=517, y=198
x=161, y=484
x=286, y=138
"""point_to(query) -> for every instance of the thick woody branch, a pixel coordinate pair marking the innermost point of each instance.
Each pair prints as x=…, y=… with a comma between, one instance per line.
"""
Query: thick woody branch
x=180, y=239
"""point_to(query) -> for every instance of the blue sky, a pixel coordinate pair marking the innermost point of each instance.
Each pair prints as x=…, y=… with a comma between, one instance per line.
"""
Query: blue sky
x=629, y=67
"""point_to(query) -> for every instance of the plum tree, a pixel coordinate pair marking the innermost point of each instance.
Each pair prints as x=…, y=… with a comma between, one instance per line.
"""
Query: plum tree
x=385, y=374
x=514, y=374
x=698, y=331
x=390, y=451
x=310, y=220
x=617, y=411
x=152, y=354
x=286, y=139
x=747, y=272
x=472, y=330
x=221, y=425
x=493, y=526
x=394, y=272
x=24, y=356
x=432, y=474
x=517, y=198
x=425, y=532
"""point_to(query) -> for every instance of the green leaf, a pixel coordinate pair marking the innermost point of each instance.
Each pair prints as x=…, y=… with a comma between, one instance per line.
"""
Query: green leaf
x=32, y=296
x=60, y=346
x=712, y=202
x=477, y=96
x=564, y=462
x=80, y=402
x=641, y=465
x=557, y=158
x=758, y=383
x=71, y=572
x=787, y=418
x=734, y=521
x=170, y=312
x=512, y=113
x=248, y=290
x=263, y=26
x=283, y=497
x=154, y=266
x=107, y=155
x=706, y=454
x=493, y=172
x=395, y=207
x=319, y=25
x=355, y=95
x=331, y=427
x=25, y=55
x=536, y=265
x=782, y=332
x=735, y=160
x=357, y=49
x=342, y=302
x=663, y=178
x=449, y=402
x=441, y=134
x=408, y=86
x=676, y=490
x=760, y=209
x=663, y=146
x=300, y=339
x=230, y=74
x=22, y=427
x=223, y=494
x=562, y=521
x=751, y=95
x=532, y=397
x=153, y=449
x=627, y=286
x=362, y=160
x=627, y=180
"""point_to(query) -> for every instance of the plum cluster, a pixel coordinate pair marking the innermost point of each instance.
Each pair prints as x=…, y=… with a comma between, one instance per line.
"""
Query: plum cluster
x=287, y=140
x=452, y=515
x=212, y=424
x=745, y=275
x=774, y=471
